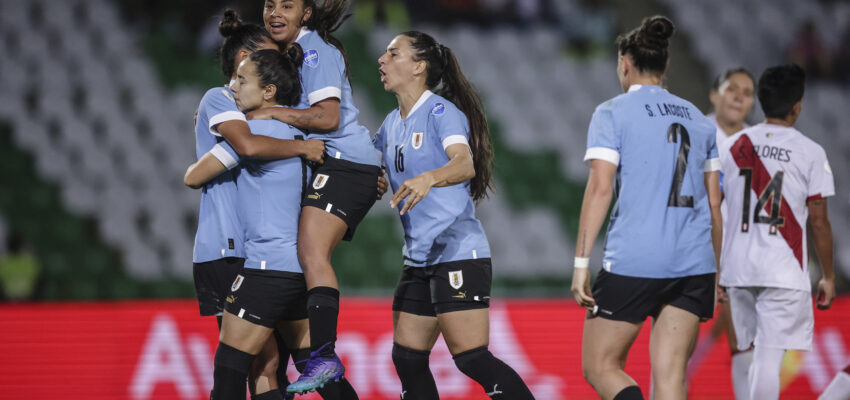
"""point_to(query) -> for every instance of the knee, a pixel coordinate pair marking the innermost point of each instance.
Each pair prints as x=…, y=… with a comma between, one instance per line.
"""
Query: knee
x=409, y=361
x=594, y=370
x=472, y=360
x=311, y=256
x=265, y=365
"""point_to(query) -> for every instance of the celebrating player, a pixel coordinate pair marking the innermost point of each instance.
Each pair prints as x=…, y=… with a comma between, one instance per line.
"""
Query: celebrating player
x=439, y=161
x=664, y=232
x=344, y=187
x=775, y=180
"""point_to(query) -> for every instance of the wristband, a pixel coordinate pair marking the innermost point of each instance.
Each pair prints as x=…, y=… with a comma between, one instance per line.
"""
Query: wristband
x=582, y=262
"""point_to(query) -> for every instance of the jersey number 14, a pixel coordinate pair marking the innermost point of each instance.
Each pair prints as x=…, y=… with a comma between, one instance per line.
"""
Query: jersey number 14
x=772, y=192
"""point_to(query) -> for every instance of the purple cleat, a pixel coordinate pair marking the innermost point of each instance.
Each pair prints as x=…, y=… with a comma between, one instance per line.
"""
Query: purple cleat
x=318, y=372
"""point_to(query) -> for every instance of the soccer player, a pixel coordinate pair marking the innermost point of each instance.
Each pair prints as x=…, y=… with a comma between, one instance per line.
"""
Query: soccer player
x=439, y=160
x=219, y=252
x=343, y=188
x=839, y=388
x=775, y=180
x=664, y=232
x=732, y=96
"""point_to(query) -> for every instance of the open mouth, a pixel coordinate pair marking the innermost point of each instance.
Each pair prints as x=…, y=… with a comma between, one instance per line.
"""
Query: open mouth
x=276, y=27
x=383, y=75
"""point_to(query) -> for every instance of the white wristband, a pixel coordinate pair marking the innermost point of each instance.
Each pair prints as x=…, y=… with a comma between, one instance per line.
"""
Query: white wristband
x=582, y=262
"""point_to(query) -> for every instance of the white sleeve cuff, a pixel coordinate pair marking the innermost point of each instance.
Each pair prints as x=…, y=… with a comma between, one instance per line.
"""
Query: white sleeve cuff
x=602, y=153
x=223, y=117
x=454, y=139
x=712, y=164
x=325, y=93
x=222, y=155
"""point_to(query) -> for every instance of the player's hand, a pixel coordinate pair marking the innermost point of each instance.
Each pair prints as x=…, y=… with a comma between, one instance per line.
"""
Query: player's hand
x=313, y=150
x=826, y=293
x=414, y=190
x=383, y=184
x=581, y=288
x=261, y=113
x=722, y=296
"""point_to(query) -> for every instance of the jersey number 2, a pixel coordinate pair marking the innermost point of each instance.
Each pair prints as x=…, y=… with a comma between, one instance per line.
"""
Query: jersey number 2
x=675, y=199
x=772, y=192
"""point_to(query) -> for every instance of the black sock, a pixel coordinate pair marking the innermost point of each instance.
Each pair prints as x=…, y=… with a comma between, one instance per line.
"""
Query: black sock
x=283, y=362
x=629, y=393
x=323, y=310
x=498, y=379
x=417, y=382
x=270, y=395
x=231, y=372
x=341, y=390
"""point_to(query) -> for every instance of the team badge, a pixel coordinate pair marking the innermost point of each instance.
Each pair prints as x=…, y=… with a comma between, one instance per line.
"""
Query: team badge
x=320, y=181
x=456, y=279
x=311, y=58
x=438, y=109
x=416, y=141
x=237, y=283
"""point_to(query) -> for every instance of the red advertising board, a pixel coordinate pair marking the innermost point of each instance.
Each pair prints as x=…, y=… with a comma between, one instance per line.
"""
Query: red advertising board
x=145, y=350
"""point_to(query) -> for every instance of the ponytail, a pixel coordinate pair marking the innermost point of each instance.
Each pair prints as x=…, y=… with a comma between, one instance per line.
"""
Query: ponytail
x=444, y=71
x=327, y=19
x=648, y=43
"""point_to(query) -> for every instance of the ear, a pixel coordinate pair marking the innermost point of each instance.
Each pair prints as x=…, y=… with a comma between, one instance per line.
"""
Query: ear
x=420, y=68
x=713, y=97
x=308, y=12
x=797, y=109
x=269, y=92
x=241, y=55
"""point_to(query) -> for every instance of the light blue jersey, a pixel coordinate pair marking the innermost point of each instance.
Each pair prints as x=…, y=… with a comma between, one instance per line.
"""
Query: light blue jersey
x=322, y=77
x=270, y=203
x=219, y=232
x=662, y=145
x=442, y=227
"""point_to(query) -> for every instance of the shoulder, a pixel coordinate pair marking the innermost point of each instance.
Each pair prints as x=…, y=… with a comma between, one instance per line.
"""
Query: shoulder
x=318, y=51
x=217, y=95
x=438, y=106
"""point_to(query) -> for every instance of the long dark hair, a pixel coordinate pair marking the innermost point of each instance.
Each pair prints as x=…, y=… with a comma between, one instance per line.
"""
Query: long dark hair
x=327, y=19
x=444, y=71
x=237, y=36
x=647, y=44
x=281, y=70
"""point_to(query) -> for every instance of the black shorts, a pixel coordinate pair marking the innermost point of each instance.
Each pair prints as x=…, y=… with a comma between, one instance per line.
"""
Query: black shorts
x=265, y=297
x=441, y=288
x=632, y=299
x=212, y=282
x=345, y=189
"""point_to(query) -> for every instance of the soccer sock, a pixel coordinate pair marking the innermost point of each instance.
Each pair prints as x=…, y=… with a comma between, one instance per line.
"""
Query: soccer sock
x=270, y=395
x=283, y=362
x=740, y=371
x=629, y=393
x=341, y=390
x=764, y=373
x=231, y=372
x=323, y=310
x=839, y=388
x=498, y=379
x=417, y=382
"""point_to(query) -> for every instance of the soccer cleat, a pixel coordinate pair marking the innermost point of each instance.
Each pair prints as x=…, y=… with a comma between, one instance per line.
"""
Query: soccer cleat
x=318, y=372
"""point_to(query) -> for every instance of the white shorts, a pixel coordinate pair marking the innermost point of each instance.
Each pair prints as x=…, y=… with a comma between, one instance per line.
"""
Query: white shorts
x=772, y=317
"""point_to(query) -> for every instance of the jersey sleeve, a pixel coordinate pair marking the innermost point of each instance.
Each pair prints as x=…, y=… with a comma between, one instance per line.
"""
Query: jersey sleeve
x=322, y=73
x=225, y=153
x=451, y=124
x=380, y=139
x=712, y=157
x=603, y=141
x=220, y=107
x=821, y=181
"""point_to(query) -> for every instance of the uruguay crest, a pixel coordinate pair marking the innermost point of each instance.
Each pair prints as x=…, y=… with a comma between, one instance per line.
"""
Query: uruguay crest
x=456, y=279
x=237, y=283
x=416, y=140
x=320, y=181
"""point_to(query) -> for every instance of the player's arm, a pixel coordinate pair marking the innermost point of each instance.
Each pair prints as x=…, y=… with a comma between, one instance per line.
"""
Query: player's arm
x=594, y=208
x=322, y=117
x=459, y=169
x=821, y=231
x=205, y=169
x=715, y=197
x=248, y=145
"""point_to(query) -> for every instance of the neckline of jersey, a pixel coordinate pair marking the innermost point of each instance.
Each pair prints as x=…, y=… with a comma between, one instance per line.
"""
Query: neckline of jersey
x=422, y=99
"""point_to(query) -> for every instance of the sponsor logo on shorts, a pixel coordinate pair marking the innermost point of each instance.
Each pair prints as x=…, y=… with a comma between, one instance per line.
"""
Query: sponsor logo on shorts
x=230, y=299
x=460, y=295
x=311, y=58
x=416, y=140
x=438, y=109
x=237, y=283
x=314, y=196
x=320, y=181
x=456, y=279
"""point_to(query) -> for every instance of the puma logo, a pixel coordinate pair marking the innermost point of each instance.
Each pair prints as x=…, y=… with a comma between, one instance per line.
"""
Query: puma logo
x=495, y=391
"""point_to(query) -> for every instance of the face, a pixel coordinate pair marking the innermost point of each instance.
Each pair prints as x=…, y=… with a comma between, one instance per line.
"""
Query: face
x=397, y=66
x=734, y=98
x=246, y=89
x=267, y=44
x=283, y=18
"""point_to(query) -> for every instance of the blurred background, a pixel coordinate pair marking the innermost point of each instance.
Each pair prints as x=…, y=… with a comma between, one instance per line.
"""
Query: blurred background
x=98, y=96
